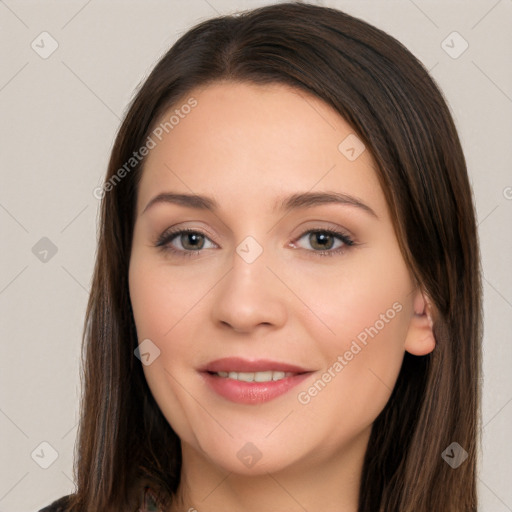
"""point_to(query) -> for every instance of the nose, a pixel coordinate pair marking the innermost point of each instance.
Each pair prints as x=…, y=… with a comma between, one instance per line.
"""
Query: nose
x=249, y=297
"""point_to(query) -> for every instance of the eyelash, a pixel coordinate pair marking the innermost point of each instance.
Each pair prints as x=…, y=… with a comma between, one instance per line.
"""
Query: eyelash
x=163, y=241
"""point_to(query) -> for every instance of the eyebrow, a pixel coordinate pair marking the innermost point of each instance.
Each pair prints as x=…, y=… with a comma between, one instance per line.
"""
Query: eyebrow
x=293, y=202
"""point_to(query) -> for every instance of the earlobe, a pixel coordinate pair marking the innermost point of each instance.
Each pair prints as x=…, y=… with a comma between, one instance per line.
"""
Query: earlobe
x=420, y=338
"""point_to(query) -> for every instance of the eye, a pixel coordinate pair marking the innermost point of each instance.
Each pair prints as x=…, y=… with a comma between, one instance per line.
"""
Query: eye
x=188, y=242
x=184, y=241
x=326, y=242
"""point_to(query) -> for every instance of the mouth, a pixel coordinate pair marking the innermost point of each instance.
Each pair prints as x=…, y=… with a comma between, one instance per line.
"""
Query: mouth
x=252, y=381
x=265, y=376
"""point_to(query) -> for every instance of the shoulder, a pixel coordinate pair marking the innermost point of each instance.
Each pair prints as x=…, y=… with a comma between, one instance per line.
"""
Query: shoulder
x=58, y=505
x=148, y=502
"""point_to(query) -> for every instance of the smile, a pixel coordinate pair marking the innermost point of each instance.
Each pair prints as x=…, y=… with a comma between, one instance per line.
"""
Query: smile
x=266, y=376
x=251, y=382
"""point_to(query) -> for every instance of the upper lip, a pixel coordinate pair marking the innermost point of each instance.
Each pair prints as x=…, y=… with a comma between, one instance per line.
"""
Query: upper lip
x=238, y=364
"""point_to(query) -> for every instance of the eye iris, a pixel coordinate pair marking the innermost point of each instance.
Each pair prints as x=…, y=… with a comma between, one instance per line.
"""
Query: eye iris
x=321, y=240
x=192, y=240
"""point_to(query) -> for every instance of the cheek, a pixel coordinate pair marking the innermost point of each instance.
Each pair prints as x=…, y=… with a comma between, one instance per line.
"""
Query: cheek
x=357, y=381
x=160, y=311
x=366, y=289
x=172, y=400
x=162, y=297
x=366, y=309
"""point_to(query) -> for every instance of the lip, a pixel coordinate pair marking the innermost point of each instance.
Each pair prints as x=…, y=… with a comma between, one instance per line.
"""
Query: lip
x=238, y=364
x=251, y=393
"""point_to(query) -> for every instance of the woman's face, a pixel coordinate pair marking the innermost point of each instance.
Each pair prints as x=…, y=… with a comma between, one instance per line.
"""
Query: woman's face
x=289, y=275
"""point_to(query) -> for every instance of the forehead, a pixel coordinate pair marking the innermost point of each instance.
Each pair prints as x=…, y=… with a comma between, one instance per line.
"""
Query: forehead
x=243, y=140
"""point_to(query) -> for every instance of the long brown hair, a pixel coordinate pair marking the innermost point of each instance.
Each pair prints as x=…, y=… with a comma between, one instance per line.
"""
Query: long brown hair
x=399, y=113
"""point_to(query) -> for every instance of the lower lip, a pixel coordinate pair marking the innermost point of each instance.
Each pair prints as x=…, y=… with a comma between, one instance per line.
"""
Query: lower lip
x=251, y=392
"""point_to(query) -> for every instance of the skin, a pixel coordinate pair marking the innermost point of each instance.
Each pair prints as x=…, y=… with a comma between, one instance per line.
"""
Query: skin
x=245, y=146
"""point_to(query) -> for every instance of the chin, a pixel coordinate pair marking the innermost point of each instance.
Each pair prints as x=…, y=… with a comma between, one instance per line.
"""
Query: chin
x=240, y=455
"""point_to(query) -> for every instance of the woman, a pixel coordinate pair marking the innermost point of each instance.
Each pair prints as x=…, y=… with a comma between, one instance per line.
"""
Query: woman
x=286, y=306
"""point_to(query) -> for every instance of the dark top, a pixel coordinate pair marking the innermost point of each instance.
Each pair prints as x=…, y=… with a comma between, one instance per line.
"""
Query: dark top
x=148, y=503
x=57, y=506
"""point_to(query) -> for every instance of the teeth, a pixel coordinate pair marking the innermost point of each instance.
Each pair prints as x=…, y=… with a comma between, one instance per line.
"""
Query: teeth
x=263, y=376
x=266, y=376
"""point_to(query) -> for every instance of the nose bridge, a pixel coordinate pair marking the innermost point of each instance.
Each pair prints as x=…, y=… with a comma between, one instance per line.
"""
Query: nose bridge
x=249, y=276
x=248, y=297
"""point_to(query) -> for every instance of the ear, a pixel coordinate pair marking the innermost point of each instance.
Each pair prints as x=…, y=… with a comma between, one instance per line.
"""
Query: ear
x=420, y=338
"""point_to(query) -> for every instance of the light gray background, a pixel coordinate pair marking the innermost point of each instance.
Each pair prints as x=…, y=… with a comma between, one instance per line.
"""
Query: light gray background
x=59, y=116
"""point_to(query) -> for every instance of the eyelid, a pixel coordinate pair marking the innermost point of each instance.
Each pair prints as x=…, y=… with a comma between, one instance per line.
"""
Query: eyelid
x=319, y=224
x=173, y=232
x=164, y=240
x=346, y=239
